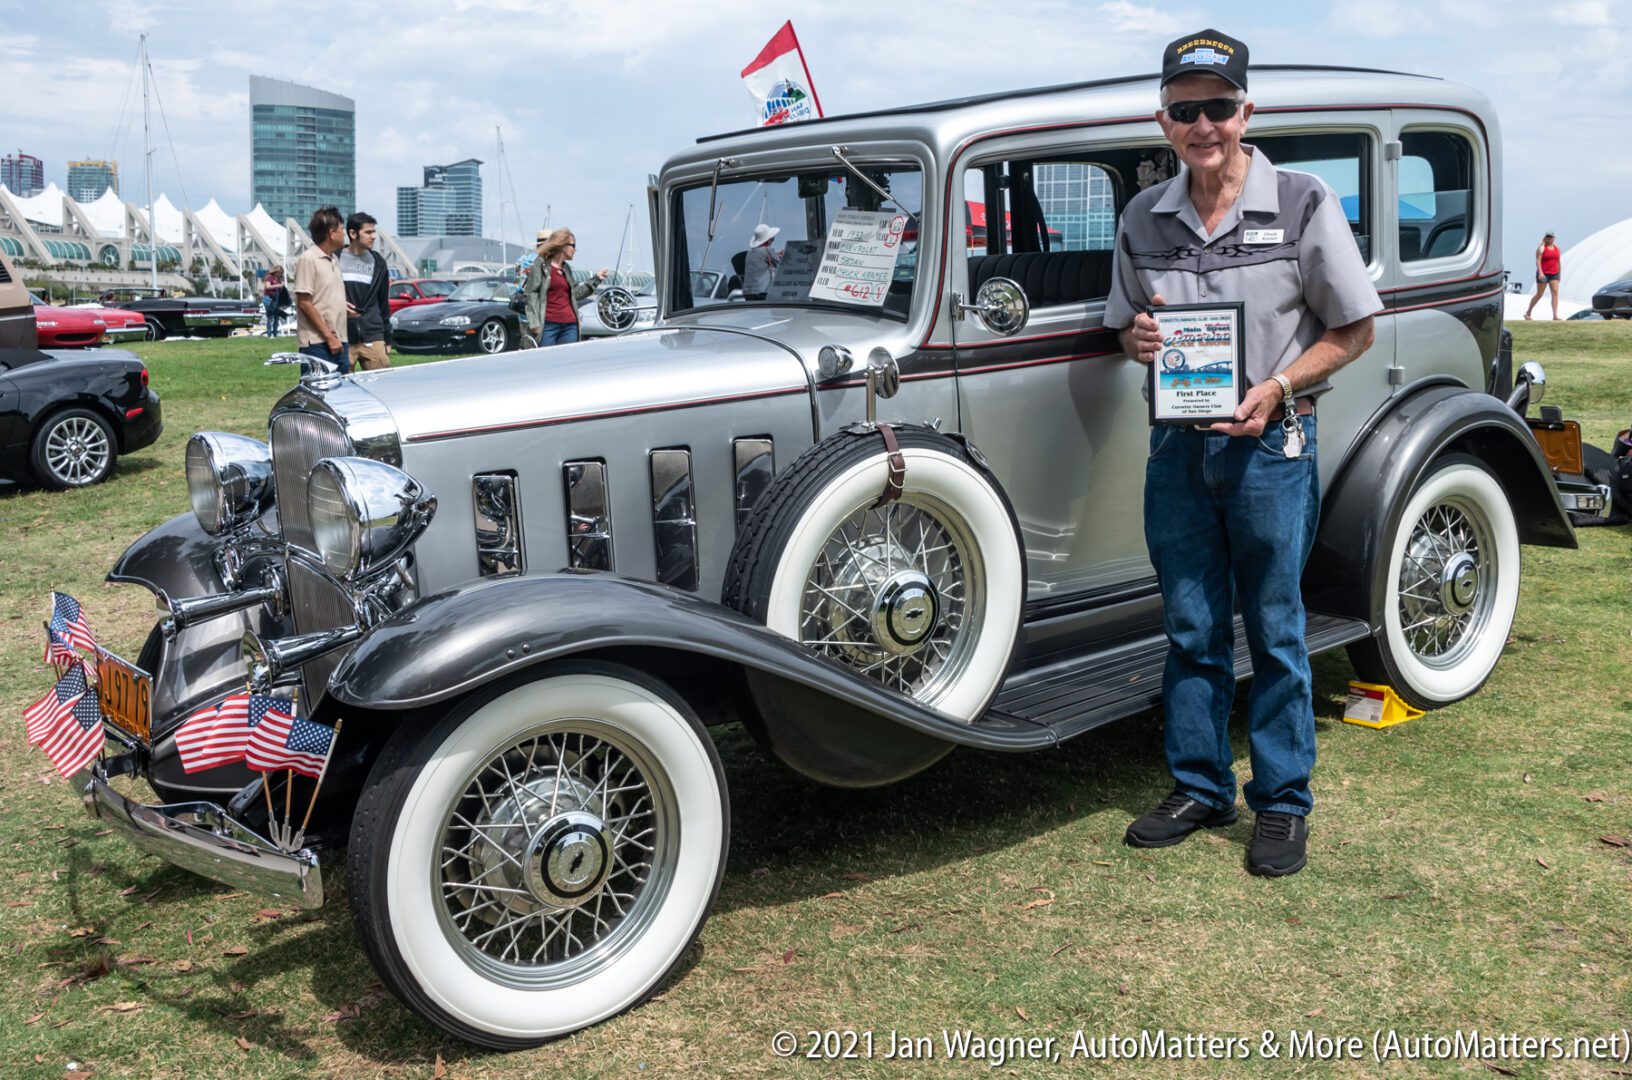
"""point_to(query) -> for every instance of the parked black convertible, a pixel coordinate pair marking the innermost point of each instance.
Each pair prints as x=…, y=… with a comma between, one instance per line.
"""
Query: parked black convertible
x=65, y=419
x=476, y=317
x=185, y=316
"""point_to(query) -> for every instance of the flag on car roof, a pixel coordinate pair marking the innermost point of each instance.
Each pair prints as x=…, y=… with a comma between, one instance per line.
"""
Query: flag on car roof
x=76, y=738
x=282, y=740
x=780, y=81
x=68, y=620
x=57, y=649
x=40, y=717
x=214, y=735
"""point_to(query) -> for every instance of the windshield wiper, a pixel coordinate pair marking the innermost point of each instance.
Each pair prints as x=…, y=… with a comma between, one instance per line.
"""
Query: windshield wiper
x=713, y=193
x=839, y=152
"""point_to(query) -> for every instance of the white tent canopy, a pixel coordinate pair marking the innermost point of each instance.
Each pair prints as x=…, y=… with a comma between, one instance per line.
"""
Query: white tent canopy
x=107, y=213
x=270, y=232
x=44, y=208
x=166, y=220
x=1601, y=258
x=222, y=227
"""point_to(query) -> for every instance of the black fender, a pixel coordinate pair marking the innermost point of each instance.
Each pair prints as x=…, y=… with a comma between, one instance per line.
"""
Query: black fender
x=817, y=715
x=1362, y=508
x=199, y=665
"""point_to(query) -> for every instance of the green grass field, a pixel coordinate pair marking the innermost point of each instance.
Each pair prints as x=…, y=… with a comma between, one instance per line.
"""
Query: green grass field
x=1468, y=869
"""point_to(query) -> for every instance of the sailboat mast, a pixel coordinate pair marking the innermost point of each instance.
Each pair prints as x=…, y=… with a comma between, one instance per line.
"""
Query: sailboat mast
x=147, y=161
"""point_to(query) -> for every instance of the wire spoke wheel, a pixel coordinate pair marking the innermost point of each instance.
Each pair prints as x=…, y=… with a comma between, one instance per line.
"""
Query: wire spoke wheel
x=555, y=854
x=1444, y=600
x=894, y=592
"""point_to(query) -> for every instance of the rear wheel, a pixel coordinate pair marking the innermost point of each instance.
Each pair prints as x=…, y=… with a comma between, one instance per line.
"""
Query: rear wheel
x=1450, y=587
x=74, y=448
x=493, y=337
x=542, y=858
x=155, y=330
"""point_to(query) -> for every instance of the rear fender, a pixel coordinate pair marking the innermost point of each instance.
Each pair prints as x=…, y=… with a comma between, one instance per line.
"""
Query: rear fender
x=818, y=716
x=1362, y=508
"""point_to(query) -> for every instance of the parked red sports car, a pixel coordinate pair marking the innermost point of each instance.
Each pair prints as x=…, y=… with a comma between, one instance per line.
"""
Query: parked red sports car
x=67, y=328
x=418, y=291
x=122, y=325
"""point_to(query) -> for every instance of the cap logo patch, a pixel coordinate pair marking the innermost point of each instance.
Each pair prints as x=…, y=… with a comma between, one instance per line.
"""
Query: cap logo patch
x=1204, y=56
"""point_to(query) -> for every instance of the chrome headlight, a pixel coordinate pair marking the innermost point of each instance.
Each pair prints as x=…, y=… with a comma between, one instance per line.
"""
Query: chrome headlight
x=229, y=479
x=456, y=320
x=364, y=513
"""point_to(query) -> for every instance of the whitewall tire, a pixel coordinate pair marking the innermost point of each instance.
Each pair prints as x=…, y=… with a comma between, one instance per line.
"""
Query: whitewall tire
x=541, y=859
x=1450, y=587
x=924, y=593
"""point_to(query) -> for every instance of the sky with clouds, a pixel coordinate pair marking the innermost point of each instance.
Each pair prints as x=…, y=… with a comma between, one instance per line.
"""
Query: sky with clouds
x=593, y=97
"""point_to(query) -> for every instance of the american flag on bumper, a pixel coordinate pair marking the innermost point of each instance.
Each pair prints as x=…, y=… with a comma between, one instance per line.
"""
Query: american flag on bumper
x=214, y=735
x=76, y=739
x=40, y=718
x=282, y=740
x=68, y=622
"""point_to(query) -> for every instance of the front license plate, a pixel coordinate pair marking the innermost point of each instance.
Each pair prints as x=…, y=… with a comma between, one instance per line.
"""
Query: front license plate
x=226, y=322
x=126, y=694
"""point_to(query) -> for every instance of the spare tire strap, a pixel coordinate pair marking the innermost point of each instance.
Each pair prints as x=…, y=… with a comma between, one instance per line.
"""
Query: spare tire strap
x=898, y=466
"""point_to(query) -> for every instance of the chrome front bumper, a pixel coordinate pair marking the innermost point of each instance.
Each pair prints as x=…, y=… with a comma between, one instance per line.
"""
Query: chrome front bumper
x=201, y=837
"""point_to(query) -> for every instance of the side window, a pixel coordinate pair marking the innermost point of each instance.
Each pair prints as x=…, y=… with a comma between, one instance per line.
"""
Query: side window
x=1343, y=161
x=1436, y=194
x=1049, y=225
x=402, y=292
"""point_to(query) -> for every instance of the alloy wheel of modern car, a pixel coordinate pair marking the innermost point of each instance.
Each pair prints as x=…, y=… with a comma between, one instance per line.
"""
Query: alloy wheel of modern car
x=542, y=858
x=1450, y=587
x=74, y=448
x=923, y=593
x=493, y=337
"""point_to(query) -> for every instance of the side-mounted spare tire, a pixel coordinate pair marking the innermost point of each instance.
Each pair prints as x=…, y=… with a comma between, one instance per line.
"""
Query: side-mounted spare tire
x=923, y=592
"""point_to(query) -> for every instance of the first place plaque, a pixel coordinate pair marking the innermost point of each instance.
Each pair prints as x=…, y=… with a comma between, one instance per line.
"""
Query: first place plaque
x=1198, y=376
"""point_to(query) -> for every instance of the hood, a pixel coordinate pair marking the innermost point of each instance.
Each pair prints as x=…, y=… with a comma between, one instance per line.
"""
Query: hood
x=640, y=371
x=421, y=314
x=66, y=318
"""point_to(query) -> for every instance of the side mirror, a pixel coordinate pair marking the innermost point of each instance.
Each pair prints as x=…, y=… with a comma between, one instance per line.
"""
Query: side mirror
x=1001, y=306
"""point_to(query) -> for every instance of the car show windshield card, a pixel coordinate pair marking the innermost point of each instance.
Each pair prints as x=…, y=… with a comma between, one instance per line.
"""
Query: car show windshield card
x=1198, y=376
x=858, y=261
x=796, y=273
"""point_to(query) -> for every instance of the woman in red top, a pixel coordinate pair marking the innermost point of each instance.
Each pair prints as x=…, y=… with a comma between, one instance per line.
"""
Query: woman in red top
x=1549, y=265
x=552, y=298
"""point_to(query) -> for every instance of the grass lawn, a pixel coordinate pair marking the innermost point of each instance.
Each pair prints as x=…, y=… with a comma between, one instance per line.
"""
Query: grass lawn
x=1467, y=869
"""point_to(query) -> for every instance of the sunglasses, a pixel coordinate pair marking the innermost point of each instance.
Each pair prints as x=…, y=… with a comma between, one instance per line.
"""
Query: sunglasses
x=1218, y=110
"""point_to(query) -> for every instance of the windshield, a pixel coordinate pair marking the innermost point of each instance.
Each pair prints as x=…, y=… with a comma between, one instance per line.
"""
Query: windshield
x=482, y=290
x=435, y=288
x=825, y=239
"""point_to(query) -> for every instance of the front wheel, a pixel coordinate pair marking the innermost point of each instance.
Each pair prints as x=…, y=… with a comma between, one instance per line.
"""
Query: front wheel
x=543, y=857
x=493, y=337
x=1450, y=588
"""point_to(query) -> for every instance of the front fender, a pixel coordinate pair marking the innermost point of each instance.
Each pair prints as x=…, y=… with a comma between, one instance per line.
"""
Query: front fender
x=454, y=642
x=1362, y=508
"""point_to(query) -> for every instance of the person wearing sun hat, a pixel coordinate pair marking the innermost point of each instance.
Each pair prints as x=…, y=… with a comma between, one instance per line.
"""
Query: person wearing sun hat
x=760, y=265
x=1230, y=509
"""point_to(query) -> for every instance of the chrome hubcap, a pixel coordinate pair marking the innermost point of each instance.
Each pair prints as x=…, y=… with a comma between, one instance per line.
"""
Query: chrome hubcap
x=1446, y=583
x=76, y=450
x=897, y=592
x=556, y=856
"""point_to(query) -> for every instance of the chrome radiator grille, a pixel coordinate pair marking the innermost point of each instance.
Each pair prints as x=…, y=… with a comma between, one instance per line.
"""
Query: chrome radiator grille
x=318, y=605
x=299, y=441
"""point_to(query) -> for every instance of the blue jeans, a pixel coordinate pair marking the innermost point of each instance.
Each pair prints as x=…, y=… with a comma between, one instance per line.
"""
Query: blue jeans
x=273, y=316
x=558, y=333
x=321, y=351
x=1228, y=520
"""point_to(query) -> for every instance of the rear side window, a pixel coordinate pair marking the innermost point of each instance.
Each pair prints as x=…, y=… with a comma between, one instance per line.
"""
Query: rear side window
x=1436, y=194
x=1049, y=225
x=1343, y=161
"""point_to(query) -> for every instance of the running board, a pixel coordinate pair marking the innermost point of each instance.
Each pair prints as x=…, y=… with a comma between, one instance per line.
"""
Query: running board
x=1072, y=696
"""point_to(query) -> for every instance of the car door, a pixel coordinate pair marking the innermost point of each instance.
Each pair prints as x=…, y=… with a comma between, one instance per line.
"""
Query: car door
x=1057, y=409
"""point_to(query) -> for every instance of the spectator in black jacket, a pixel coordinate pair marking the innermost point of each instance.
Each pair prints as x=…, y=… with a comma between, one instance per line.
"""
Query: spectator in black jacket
x=368, y=309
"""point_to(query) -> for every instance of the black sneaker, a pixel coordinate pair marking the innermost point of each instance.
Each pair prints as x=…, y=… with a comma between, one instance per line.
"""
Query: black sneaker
x=1176, y=818
x=1280, y=844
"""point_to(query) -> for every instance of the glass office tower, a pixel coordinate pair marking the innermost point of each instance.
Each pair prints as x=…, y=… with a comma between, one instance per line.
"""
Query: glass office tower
x=303, y=149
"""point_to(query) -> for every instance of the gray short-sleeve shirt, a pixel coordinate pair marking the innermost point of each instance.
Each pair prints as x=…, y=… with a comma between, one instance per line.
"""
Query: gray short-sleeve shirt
x=1284, y=249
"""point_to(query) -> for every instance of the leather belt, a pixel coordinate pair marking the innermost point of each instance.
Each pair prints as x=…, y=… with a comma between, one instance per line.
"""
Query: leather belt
x=1305, y=407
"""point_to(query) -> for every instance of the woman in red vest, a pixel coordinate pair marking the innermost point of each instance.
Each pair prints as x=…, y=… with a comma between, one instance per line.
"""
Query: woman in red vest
x=1549, y=265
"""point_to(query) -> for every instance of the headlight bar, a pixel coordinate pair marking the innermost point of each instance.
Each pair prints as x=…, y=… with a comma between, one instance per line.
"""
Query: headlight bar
x=229, y=480
x=364, y=513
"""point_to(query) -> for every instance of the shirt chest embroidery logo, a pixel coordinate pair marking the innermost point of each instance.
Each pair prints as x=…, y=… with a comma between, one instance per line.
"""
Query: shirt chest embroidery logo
x=1263, y=236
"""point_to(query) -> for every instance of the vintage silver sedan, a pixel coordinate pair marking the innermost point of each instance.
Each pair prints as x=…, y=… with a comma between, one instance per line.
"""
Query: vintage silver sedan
x=888, y=507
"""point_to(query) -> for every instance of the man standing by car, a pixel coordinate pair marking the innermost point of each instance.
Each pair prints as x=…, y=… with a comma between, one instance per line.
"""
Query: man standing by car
x=368, y=305
x=1231, y=509
x=320, y=295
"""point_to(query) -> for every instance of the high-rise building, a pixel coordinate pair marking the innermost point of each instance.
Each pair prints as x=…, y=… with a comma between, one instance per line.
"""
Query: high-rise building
x=22, y=174
x=303, y=149
x=1078, y=201
x=449, y=203
x=87, y=180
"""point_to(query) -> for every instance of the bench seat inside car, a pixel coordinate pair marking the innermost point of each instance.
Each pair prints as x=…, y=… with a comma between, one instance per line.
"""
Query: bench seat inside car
x=1048, y=277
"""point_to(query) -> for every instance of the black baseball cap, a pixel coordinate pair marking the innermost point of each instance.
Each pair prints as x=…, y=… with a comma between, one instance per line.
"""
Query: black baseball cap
x=1206, y=52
